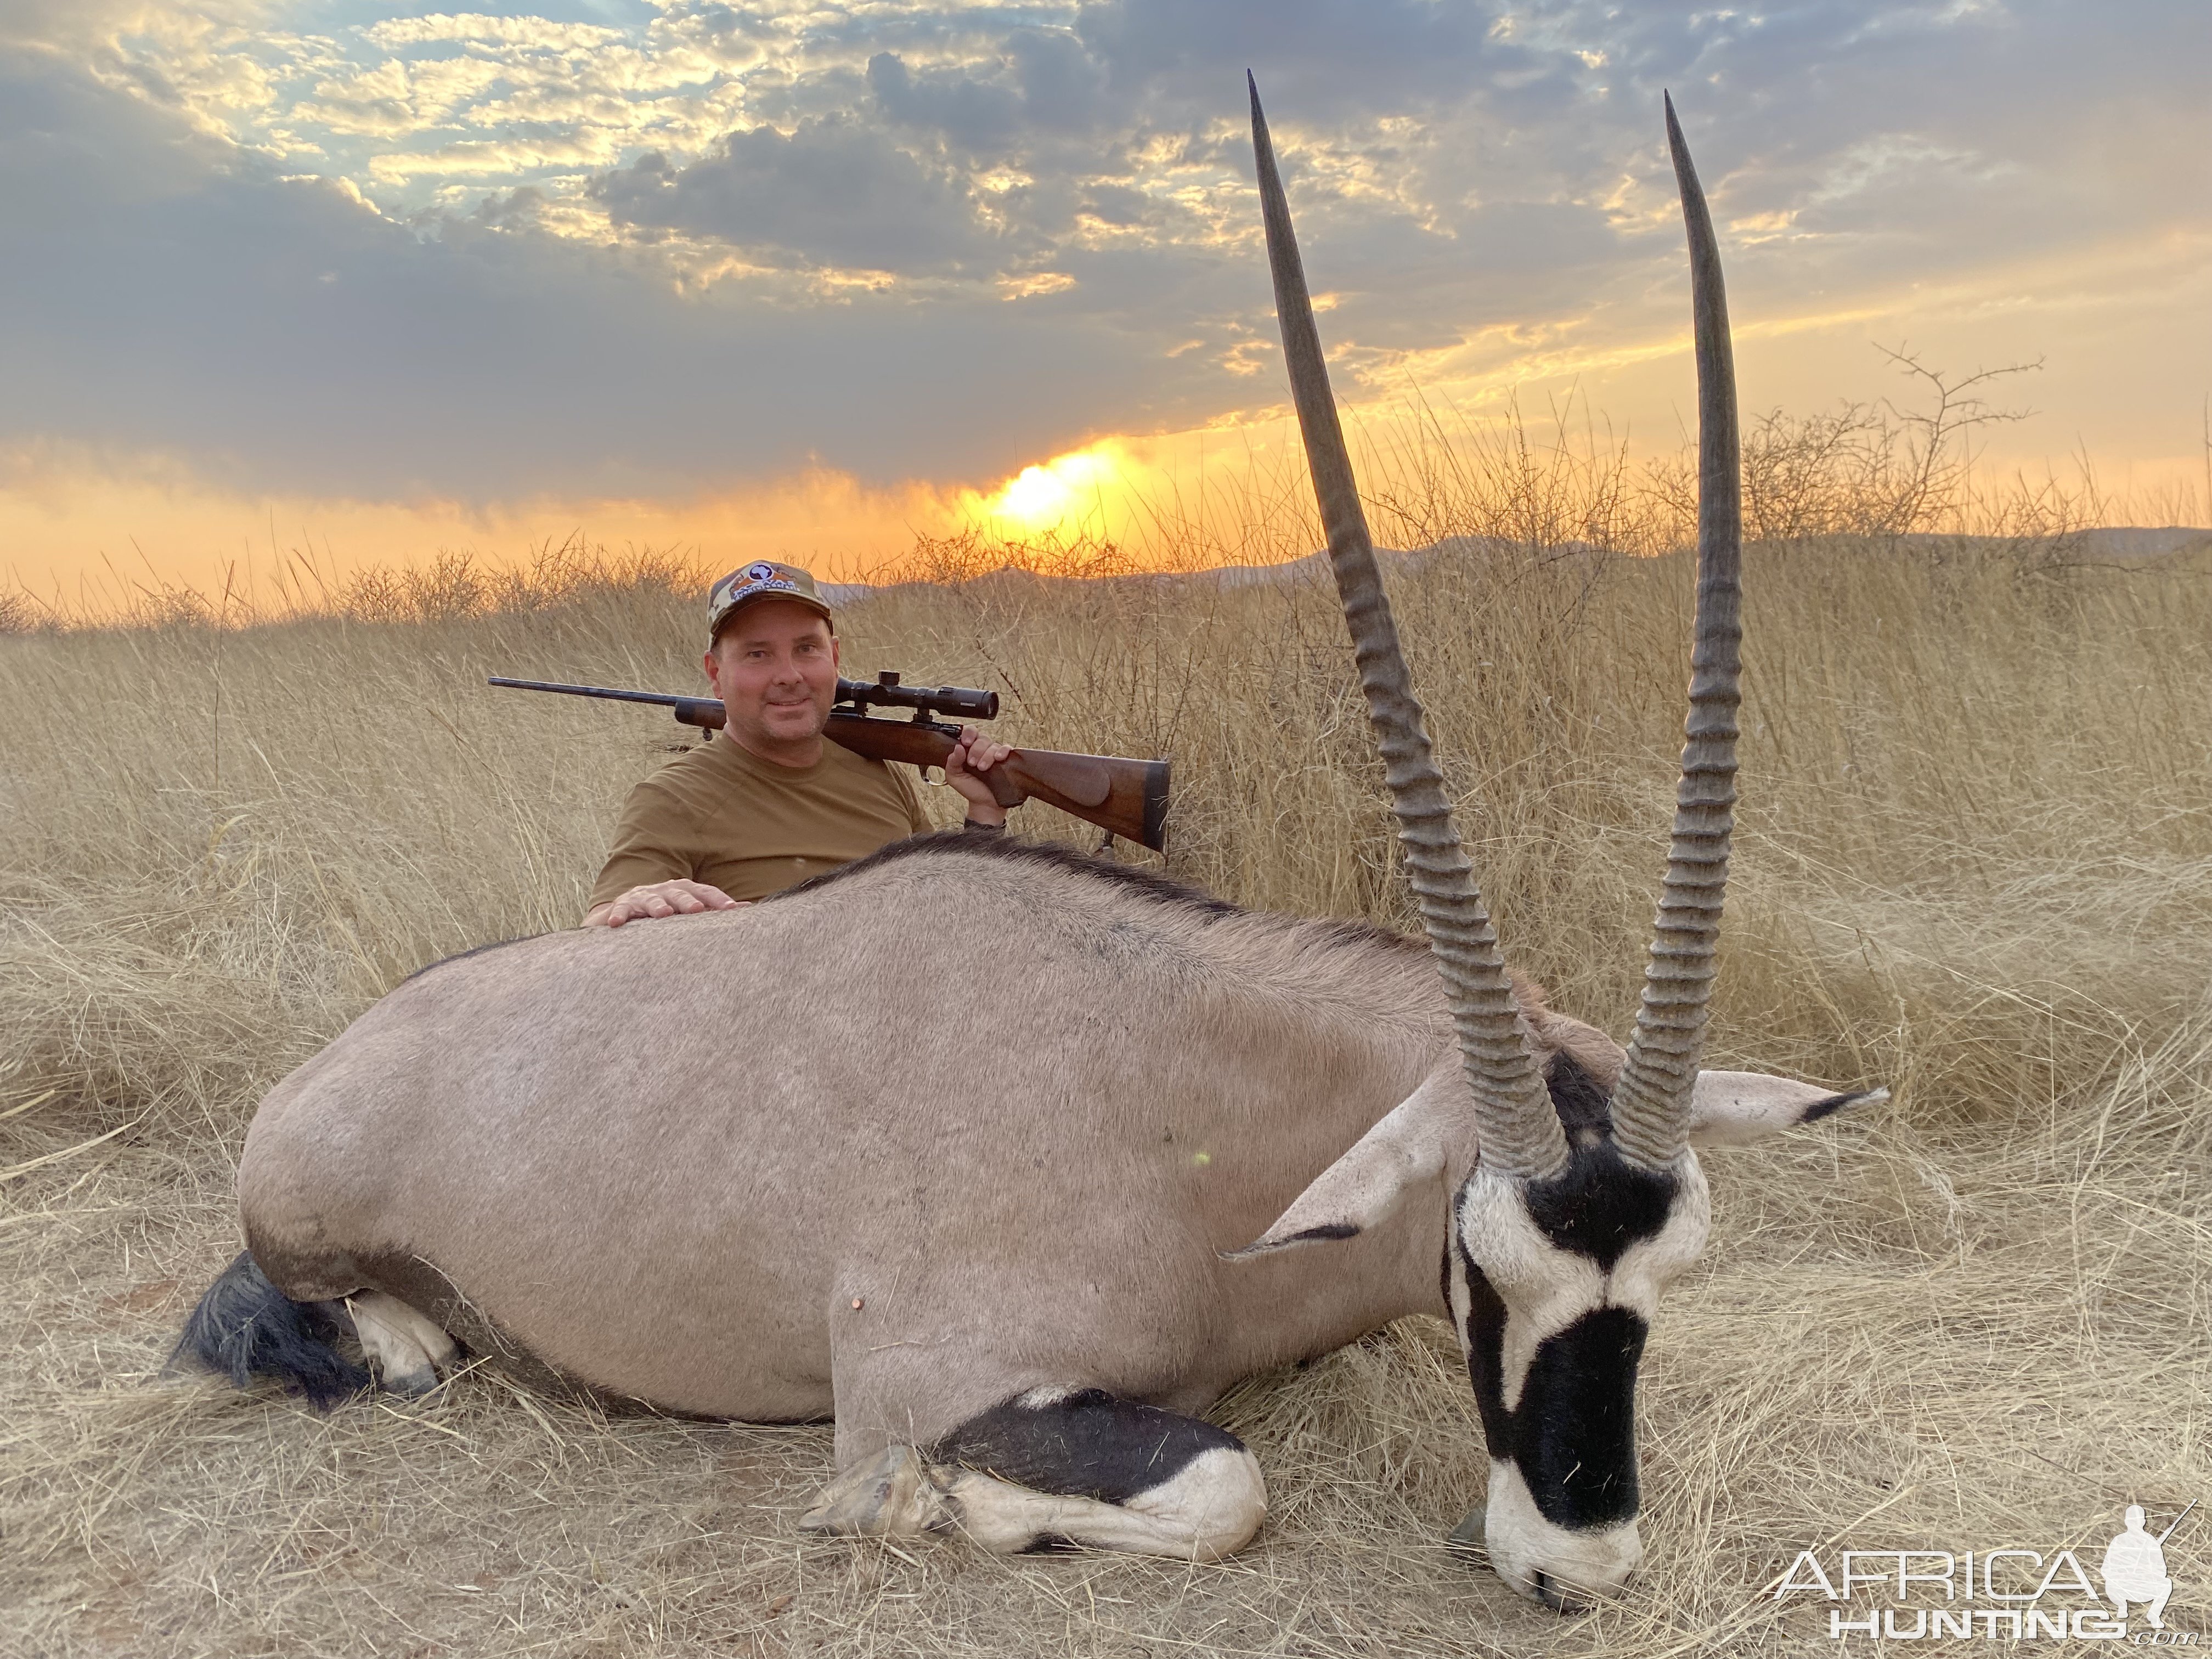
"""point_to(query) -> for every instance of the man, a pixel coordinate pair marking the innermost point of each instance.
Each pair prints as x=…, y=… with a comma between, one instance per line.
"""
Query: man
x=768, y=800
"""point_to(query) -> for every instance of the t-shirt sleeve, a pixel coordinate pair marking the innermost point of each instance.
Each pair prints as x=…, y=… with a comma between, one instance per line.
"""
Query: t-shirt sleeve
x=917, y=820
x=650, y=845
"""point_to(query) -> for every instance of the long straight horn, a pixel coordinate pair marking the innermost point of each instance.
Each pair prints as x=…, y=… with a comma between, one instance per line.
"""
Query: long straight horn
x=1651, y=1104
x=1520, y=1133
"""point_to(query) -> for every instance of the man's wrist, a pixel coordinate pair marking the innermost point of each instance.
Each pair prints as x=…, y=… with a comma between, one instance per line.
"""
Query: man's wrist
x=992, y=817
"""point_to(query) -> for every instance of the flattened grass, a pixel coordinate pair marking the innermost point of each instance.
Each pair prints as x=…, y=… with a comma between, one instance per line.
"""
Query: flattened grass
x=1976, y=862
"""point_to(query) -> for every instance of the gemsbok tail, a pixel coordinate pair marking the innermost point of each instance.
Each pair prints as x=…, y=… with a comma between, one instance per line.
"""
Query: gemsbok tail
x=246, y=1327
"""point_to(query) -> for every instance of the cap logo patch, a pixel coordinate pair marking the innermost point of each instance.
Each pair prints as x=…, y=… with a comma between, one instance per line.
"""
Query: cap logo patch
x=762, y=579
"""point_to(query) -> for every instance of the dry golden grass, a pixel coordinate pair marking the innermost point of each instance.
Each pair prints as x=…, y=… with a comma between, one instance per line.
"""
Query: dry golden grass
x=1975, y=861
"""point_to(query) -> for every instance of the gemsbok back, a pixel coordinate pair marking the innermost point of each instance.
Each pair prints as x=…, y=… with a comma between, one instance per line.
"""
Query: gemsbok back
x=726, y=1165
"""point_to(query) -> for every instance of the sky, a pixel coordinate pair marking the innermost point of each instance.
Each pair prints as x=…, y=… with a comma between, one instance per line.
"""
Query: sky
x=805, y=280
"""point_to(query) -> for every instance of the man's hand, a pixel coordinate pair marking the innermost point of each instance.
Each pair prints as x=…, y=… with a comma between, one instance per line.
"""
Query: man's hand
x=661, y=898
x=973, y=755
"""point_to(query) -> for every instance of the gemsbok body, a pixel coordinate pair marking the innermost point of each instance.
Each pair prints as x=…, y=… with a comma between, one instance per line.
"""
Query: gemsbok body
x=745, y=1165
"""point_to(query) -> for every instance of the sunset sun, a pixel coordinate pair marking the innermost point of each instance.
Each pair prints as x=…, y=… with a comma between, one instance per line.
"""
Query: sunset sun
x=1045, y=497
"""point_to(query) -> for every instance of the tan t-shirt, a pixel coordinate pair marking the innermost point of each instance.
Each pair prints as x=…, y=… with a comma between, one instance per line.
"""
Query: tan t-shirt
x=752, y=827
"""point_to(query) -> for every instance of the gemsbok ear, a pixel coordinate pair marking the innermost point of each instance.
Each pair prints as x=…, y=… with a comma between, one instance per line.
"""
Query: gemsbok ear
x=1728, y=1108
x=1409, y=1147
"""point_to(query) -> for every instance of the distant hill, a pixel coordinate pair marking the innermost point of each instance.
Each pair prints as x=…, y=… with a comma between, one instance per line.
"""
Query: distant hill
x=2108, y=542
x=2129, y=542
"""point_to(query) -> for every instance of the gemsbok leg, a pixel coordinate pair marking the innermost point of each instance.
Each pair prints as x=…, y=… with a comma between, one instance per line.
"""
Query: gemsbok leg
x=1061, y=1465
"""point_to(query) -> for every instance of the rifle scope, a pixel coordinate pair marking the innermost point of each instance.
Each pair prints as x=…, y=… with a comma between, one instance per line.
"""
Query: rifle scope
x=886, y=692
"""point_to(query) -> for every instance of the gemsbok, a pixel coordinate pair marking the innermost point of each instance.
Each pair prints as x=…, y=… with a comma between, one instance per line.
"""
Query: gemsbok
x=745, y=1165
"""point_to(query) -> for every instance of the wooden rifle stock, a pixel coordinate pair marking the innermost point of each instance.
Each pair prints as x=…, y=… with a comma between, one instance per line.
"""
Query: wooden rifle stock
x=1128, y=798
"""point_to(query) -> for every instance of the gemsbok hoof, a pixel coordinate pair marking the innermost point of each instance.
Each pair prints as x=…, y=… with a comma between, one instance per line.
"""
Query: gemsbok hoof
x=891, y=1495
x=1467, y=1535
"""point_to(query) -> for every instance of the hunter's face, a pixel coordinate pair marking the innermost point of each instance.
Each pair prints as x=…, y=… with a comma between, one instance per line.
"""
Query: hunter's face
x=775, y=668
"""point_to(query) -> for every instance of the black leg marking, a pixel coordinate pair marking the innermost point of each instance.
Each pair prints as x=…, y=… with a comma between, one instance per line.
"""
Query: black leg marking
x=1088, y=1445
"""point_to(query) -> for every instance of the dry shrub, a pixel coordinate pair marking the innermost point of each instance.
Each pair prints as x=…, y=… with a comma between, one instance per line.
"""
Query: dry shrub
x=1975, y=862
x=571, y=575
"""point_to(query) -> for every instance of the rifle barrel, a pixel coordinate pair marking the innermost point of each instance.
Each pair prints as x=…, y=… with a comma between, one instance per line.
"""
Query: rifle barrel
x=2178, y=1520
x=660, y=697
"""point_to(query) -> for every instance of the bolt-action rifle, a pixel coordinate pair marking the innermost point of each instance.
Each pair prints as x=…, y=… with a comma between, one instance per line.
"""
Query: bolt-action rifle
x=1123, y=796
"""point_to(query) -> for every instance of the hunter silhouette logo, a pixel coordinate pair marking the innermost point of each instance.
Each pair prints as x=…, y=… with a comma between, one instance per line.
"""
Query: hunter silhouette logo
x=2135, y=1568
x=2016, y=1594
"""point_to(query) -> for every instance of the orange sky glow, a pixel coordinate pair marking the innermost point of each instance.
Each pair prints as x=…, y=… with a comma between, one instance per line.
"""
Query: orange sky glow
x=87, y=541
x=300, y=288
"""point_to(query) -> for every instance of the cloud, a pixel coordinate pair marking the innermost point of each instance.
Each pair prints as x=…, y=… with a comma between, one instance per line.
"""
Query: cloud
x=536, y=32
x=494, y=157
x=832, y=192
x=1038, y=83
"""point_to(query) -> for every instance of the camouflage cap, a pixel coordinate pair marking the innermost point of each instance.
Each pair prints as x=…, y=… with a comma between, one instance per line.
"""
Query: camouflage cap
x=762, y=580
